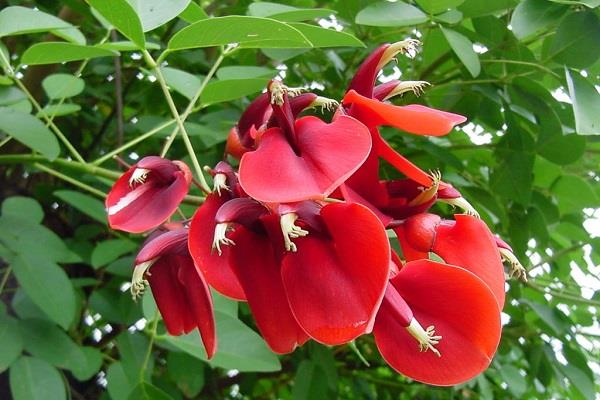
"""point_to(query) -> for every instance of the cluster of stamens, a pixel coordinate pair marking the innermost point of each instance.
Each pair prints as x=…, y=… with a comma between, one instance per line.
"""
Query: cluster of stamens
x=220, y=183
x=417, y=87
x=516, y=268
x=278, y=90
x=291, y=231
x=428, y=193
x=220, y=238
x=138, y=280
x=426, y=337
x=138, y=176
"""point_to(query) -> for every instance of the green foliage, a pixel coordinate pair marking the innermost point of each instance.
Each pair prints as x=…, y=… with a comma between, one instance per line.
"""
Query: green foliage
x=525, y=73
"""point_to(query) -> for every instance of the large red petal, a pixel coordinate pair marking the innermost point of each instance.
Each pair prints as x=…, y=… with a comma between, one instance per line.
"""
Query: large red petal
x=469, y=243
x=168, y=294
x=254, y=261
x=146, y=205
x=463, y=311
x=199, y=302
x=334, y=286
x=215, y=268
x=416, y=119
x=328, y=155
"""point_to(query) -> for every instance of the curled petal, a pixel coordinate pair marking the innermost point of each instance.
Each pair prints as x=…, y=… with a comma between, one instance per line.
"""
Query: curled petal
x=462, y=309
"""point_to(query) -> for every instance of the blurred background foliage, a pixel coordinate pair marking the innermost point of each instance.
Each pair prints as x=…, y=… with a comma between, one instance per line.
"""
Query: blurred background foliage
x=525, y=73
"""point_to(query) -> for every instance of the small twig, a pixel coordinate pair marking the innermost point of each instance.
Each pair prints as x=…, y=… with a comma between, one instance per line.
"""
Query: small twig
x=72, y=181
x=118, y=92
x=5, y=278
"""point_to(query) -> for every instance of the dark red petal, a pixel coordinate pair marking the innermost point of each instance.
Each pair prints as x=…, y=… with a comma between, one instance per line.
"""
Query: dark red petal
x=254, y=262
x=463, y=311
x=329, y=154
x=160, y=167
x=169, y=296
x=416, y=119
x=214, y=268
x=469, y=243
x=352, y=196
x=199, y=303
x=334, y=286
x=168, y=243
x=401, y=163
x=364, y=79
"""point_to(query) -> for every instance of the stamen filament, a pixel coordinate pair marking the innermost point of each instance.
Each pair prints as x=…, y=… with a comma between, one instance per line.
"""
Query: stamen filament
x=290, y=230
x=407, y=46
x=463, y=204
x=426, y=337
x=221, y=238
x=430, y=192
x=220, y=183
x=138, y=282
x=139, y=175
x=417, y=87
x=516, y=268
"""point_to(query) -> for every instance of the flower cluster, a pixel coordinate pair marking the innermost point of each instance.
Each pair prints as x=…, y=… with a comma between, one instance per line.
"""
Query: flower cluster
x=299, y=231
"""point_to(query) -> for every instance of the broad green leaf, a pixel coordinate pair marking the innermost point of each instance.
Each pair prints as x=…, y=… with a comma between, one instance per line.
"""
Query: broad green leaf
x=119, y=385
x=231, y=89
x=516, y=382
x=155, y=13
x=149, y=307
x=244, y=71
x=239, y=347
x=181, y=81
x=478, y=8
x=576, y=40
x=587, y=3
x=286, y=13
x=18, y=20
x=310, y=382
x=30, y=131
x=123, y=17
x=187, y=372
x=438, y=6
x=586, y=103
x=573, y=194
x=579, y=373
x=115, y=306
x=532, y=16
x=109, y=250
x=549, y=316
x=23, y=207
x=251, y=32
x=283, y=54
x=193, y=13
x=85, y=203
x=323, y=37
x=384, y=13
x=224, y=304
x=90, y=363
x=11, y=342
x=463, y=48
x=126, y=45
x=56, y=52
x=47, y=285
x=58, y=86
x=58, y=110
x=34, y=379
x=132, y=348
x=449, y=17
x=146, y=391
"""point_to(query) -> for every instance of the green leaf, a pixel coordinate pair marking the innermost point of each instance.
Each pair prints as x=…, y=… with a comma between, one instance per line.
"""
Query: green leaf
x=193, y=13
x=384, y=13
x=23, y=207
x=244, y=71
x=132, y=348
x=47, y=285
x=58, y=110
x=576, y=41
x=581, y=377
x=449, y=17
x=155, y=13
x=56, y=52
x=181, y=81
x=239, y=347
x=516, y=382
x=310, y=382
x=231, y=89
x=58, y=86
x=146, y=391
x=30, y=131
x=109, y=250
x=438, y=6
x=286, y=13
x=586, y=103
x=463, y=48
x=126, y=45
x=34, y=379
x=123, y=17
x=87, y=204
x=119, y=384
x=574, y=193
x=187, y=372
x=532, y=16
x=17, y=20
x=323, y=37
x=11, y=343
x=115, y=306
x=549, y=316
x=250, y=32
x=478, y=8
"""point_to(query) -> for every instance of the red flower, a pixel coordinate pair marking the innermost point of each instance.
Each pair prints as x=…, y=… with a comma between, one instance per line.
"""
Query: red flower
x=438, y=324
x=147, y=194
x=303, y=159
x=182, y=296
x=306, y=270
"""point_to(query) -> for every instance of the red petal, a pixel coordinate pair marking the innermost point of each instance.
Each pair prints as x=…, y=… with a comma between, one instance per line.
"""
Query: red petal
x=329, y=154
x=199, y=303
x=164, y=243
x=215, y=268
x=416, y=119
x=334, y=286
x=169, y=296
x=463, y=311
x=144, y=206
x=352, y=196
x=409, y=252
x=469, y=243
x=401, y=163
x=364, y=78
x=254, y=262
